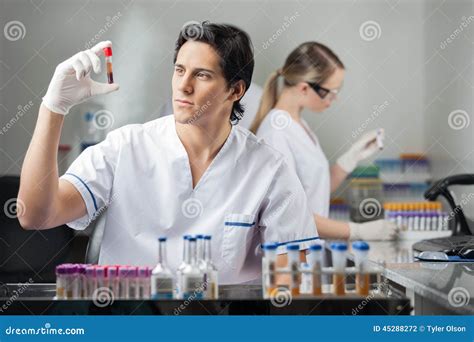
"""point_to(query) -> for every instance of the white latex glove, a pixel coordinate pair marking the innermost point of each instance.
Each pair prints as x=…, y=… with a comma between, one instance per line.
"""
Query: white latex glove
x=71, y=83
x=363, y=148
x=373, y=230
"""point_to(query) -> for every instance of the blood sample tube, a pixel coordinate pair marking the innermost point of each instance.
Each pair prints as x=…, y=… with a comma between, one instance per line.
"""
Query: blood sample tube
x=108, y=61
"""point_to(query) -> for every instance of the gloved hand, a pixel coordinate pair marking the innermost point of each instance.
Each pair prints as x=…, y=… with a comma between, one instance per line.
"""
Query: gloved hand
x=363, y=148
x=373, y=230
x=71, y=83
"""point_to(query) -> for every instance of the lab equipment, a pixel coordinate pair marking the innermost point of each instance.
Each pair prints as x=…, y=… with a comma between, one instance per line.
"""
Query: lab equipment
x=210, y=281
x=409, y=168
x=365, y=195
x=108, y=61
x=85, y=281
x=123, y=282
x=182, y=266
x=144, y=282
x=269, y=268
x=417, y=216
x=91, y=281
x=192, y=277
x=339, y=210
x=113, y=275
x=162, y=281
x=293, y=268
x=61, y=282
x=339, y=259
x=361, y=252
x=315, y=261
x=380, y=138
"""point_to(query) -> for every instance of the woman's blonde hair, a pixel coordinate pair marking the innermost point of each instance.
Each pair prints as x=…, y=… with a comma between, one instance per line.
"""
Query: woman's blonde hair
x=310, y=62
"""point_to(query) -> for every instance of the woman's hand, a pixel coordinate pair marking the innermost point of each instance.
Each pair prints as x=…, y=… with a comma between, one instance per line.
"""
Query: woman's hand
x=365, y=147
x=373, y=230
x=71, y=83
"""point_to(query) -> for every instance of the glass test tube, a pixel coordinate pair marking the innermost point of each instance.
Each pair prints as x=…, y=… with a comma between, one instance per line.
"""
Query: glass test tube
x=268, y=269
x=339, y=257
x=108, y=62
x=361, y=252
x=293, y=267
x=314, y=259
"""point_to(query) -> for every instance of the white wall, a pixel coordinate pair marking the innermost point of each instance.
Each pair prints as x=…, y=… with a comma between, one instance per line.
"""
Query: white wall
x=449, y=88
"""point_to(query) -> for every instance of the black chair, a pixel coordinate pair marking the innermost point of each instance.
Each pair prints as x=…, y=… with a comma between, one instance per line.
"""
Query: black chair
x=29, y=254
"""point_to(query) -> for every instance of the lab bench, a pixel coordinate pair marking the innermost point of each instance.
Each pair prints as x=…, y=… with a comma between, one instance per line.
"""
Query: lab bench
x=37, y=299
x=433, y=288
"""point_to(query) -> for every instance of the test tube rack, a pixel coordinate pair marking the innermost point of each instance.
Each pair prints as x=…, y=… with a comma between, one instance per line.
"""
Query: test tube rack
x=306, y=290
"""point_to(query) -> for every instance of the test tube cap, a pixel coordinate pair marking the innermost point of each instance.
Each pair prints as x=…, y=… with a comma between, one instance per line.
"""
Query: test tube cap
x=207, y=237
x=192, y=238
x=360, y=245
x=339, y=246
x=293, y=247
x=162, y=238
x=315, y=247
x=269, y=246
x=107, y=51
x=199, y=236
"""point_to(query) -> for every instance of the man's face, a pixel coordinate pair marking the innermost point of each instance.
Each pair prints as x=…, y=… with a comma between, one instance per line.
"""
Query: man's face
x=200, y=92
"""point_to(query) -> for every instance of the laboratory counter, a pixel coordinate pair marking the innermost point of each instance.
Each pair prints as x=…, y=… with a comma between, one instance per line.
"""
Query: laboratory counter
x=37, y=299
x=434, y=288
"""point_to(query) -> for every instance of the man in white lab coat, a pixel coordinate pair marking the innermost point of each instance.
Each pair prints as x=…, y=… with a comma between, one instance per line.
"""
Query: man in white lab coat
x=192, y=172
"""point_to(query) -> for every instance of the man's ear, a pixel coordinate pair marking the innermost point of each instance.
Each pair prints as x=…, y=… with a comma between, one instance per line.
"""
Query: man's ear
x=237, y=90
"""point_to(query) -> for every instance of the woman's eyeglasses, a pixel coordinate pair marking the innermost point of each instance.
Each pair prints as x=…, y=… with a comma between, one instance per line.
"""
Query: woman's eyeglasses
x=323, y=92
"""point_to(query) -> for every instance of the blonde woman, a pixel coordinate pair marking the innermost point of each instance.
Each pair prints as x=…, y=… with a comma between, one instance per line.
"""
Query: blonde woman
x=312, y=77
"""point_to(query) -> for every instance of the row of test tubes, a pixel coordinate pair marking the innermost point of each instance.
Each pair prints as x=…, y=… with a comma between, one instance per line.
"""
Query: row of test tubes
x=85, y=281
x=306, y=278
x=417, y=216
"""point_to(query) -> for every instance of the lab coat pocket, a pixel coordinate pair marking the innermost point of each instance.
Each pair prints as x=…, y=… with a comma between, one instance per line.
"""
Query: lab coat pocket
x=239, y=230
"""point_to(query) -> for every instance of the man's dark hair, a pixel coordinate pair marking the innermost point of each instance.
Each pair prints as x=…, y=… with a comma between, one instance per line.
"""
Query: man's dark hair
x=234, y=48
